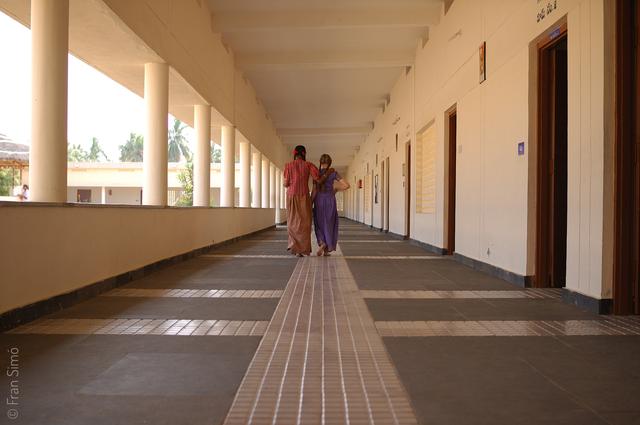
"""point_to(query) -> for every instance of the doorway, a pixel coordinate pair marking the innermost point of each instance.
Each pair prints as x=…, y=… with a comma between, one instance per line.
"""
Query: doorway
x=357, y=200
x=383, y=208
x=626, y=287
x=450, y=206
x=373, y=194
x=386, y=188
x=551, y=250
x=83, y=195
x=407, y=190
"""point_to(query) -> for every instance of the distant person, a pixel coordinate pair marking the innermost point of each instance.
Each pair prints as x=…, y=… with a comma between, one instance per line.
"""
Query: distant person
x=296, y=180
x=325, y=209
x=24, y=193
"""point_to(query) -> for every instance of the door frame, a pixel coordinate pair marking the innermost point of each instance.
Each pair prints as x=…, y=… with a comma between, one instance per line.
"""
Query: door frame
x=626, y=268
x=451, y=135
x=386, y=197
x=383, y=181
x=372, y=190
x=407, y=189
x=356, y=200
x=543, y=158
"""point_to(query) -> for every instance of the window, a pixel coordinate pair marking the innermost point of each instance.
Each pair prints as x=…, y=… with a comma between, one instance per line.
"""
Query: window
x=83, y=195
x=340, y=201
x=367, y=193
x=426, y=170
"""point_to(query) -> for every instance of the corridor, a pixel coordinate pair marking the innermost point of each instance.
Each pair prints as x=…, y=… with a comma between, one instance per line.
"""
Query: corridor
x=381, y=332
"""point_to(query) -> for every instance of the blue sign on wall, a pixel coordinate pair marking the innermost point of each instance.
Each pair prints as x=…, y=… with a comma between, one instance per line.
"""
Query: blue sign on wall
x=520, y=148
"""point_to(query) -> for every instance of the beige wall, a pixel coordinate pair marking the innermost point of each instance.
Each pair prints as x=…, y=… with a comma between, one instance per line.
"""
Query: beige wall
x=129, y=174
x=51, y=250
x=495, y=206
x=124, y=195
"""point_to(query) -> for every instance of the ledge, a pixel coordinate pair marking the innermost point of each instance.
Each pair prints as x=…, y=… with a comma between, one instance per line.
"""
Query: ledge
x=28, y=313
x=9, y=204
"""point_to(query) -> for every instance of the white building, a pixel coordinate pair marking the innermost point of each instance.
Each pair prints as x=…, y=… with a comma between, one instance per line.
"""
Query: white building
x=121, y=183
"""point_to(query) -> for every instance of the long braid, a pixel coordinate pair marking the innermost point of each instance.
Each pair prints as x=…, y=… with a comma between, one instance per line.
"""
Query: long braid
x=324, y=173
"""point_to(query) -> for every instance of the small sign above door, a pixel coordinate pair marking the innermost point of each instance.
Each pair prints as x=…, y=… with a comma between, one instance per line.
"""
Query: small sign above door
x=546, y=8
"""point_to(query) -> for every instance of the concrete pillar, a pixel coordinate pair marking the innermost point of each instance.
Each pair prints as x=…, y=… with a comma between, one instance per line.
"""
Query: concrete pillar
x=245, y=175
x=48, y=152
x=265, y=182
x=103, y=195
x=228, y=184
x=283, y=192
x=202, y=158
x=256, y=166
x=278, y=185
x=272, y=186
x=156, y=102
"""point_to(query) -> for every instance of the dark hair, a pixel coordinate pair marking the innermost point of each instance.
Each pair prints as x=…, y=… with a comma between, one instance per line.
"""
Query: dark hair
x=325, y=159
x=300, y=152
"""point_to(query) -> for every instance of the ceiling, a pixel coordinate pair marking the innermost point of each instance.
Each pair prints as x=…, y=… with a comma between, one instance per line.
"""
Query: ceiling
x=324, y=68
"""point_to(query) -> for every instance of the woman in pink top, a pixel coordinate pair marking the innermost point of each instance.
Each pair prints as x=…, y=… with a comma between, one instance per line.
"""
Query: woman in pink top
x=296, y=180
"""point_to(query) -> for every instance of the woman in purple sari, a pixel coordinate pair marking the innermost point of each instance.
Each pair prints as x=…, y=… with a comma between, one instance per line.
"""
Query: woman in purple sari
x=325, y=211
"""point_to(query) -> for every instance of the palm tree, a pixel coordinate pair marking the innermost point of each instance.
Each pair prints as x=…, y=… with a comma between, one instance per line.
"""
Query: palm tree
x=177, y=142
x=186, y=181
x=216, y=154
x=95, y=151
x=8, y=180
x=131, y=151
x=76, y=153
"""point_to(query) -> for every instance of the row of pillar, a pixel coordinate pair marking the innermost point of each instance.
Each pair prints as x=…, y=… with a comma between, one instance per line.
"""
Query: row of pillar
x=48, y=156
x=265, y=179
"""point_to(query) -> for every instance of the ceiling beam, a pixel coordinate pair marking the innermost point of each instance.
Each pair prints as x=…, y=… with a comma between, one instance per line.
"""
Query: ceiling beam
x=334, y=131
x=323, y=60
x=267, y=20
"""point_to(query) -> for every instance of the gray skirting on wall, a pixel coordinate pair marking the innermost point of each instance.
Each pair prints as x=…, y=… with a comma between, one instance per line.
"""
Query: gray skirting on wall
x=514, y=278
x=585, y=302
x=428, y=247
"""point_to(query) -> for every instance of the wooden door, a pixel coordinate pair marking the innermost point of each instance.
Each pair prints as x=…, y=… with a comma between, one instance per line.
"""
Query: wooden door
x=407, y=191
x=626, y=288
x=387, y=188
x=383, y=208
x=451, y=186
x=551, y=252
x=373, y=196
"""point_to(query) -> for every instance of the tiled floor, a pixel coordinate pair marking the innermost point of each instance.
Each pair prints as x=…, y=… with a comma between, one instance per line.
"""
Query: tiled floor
x=472, y=349
x=431, y=295
x=380, y=332
x=171, y=348
x=605, y=326
x=194, y=293
x=144, y=327
x=321, y=360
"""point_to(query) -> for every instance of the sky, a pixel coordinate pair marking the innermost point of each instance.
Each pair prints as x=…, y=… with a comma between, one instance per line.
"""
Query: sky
x=98, y=106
